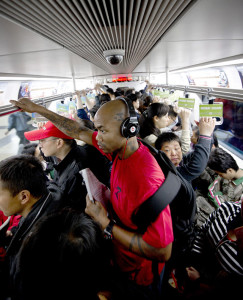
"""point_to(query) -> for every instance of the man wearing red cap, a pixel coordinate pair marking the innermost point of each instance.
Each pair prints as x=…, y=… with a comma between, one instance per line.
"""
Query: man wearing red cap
x=71, y=159
x=45, y=135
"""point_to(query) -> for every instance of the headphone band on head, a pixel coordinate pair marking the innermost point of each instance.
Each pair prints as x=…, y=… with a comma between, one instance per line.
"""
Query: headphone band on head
x=129, y=105
x=130, y=126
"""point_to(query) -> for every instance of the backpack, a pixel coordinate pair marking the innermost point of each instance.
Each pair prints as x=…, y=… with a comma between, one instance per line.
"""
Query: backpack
x=149, y=210
x=175, y=191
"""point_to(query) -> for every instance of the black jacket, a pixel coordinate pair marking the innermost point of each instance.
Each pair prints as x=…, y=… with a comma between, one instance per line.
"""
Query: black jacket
x=9, y=272
x=195, y=162
x=183, y=207
x=70, y=181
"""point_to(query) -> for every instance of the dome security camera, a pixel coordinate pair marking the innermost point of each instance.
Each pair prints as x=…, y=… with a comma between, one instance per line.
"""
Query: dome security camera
x=114, y=56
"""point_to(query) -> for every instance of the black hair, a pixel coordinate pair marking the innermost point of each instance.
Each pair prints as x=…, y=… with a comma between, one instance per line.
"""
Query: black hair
x=120, y=90
x=138, y=94
x=104, y=98
x=146, y=121
x=166, y=137
x=29, y=148
x=132, y=97
x=172, y=113
x=70, y=142
x=23, y=172
x=147, y=100
x=94, y=110
x=117, y=93
x=110, y=91
x=128, y=92
x=62, y=256
x=221, y=161
x=215, y=140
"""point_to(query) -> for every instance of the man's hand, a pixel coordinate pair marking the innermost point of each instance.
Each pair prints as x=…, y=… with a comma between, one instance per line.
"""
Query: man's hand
x=9, y=233
x=192, y=273
x=40, y=125
x=97, y=212
x=206, y=126
x=26, y=104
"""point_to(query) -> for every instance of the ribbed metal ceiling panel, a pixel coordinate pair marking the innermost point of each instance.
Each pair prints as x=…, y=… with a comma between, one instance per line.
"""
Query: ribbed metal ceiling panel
x=89, y=27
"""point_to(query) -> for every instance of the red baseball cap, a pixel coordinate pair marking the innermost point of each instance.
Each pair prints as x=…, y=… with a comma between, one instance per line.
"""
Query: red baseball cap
x=46, y=131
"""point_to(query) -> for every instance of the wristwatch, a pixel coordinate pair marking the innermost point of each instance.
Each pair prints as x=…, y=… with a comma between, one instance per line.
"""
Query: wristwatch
x=108, y=230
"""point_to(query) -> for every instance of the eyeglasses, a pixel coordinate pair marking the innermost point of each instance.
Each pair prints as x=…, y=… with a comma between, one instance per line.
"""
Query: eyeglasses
x=45, y=141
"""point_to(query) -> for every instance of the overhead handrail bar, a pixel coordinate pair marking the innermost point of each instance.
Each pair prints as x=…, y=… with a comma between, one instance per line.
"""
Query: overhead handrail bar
x=224, y=93
x=7, y=109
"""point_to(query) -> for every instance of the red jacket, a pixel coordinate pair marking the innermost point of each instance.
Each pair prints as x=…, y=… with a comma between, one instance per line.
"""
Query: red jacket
x=14, y=221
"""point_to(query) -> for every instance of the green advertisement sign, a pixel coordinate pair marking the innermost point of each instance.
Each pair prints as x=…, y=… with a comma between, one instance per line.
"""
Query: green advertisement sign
x=211, y=110
x=186, y=102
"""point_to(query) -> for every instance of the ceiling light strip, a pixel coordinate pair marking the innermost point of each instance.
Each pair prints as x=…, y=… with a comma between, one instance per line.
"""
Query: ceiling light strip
x=41, y=30
x=160, y=31
x=156, y=16
x=118, y=43
x=148, y=34
x=144, y=22
x=119, y=24
x=110, y=27
x=104, y=25
x=77, y=30
x=51, y=23
x=133, y=26
x=124, y=23
x=137, y=29
x=86, y=11
x=89, y=32
x=128, y=41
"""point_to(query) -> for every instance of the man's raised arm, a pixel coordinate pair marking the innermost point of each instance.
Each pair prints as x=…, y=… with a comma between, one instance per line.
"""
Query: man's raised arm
x=69, y=127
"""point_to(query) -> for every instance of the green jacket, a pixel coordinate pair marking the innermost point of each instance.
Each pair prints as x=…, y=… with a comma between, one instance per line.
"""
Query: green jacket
x=222, y=190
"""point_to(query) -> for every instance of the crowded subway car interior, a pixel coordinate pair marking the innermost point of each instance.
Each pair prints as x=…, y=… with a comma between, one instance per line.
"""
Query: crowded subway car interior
x=67, y=55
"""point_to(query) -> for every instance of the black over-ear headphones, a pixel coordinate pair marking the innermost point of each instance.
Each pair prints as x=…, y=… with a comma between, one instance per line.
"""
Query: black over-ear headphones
x=130, y=126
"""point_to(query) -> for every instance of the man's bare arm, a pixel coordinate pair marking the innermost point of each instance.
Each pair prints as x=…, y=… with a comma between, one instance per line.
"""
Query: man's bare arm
x=132, y=241
x=135, y=243
x=70, y=127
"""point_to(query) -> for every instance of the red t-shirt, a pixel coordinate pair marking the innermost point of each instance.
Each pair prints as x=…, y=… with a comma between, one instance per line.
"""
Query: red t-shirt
x=134, y=180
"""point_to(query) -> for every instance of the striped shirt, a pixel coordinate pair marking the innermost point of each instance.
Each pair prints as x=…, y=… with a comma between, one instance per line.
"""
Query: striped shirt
x=214, y=232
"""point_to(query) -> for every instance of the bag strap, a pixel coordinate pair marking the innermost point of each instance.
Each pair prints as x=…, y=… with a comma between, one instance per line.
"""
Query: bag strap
x=149, y=210
x=159, y=156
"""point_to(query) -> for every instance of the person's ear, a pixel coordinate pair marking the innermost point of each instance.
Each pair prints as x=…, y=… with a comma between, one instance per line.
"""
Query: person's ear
x=60, y=143
x=24, y=196
x=155, y=118
x=230, y=171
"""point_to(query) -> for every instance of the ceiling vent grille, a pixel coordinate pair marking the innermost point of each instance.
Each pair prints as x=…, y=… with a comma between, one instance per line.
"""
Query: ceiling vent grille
x=89, y=27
